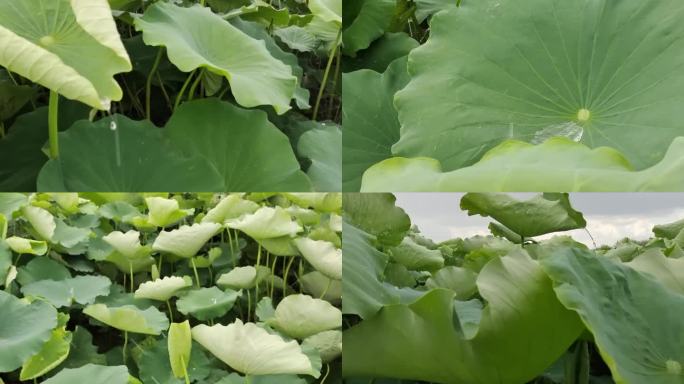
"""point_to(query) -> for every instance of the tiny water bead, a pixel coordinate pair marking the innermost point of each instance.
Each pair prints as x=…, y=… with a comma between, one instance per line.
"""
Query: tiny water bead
x=112, y=125
x=583, y=115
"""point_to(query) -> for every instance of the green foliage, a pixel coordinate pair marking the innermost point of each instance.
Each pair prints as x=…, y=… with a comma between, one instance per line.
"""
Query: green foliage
x=512, y=96
x=163, y=289
x=242, y=110
x=534, y=311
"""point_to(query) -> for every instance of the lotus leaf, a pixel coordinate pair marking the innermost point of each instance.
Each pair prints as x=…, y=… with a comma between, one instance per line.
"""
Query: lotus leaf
x=71, y=47
x=255, y=79
x=187, y=240
x=249, y=349
x=129, y=318
x=207, y=303
x=63, y=293
x=322, y=255
x=266, y=223
x=164, y=212
x=300, y=316
x=162, y=289
x=21, y=245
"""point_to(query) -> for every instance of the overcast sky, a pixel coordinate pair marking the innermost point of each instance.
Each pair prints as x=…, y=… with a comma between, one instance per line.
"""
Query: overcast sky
x=610, y=216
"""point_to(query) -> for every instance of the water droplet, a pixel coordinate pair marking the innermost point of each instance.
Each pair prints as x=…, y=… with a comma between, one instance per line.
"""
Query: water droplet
x=673, y=367
x=113, y=125
x=46, y=40
x=583, y=115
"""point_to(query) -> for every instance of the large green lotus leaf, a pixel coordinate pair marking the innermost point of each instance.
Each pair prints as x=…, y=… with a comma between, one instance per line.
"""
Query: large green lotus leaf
x=376, y=214
x=63, y=293
x=250, y=349
x=11, y=203
x=51, y=355
x=323, y=146
x=95, y=374
x=322, y=202
x=238, y=278
x=247, y=150
x=41, y=220
x=426, y=8
x=327, y=10
x=319, y=285
x=129, y=318
x=162, y=289
x=230, y=207
x=207, y=303
x=24, y=328
x=82, y=350
x=155, y=363
x=322, y=255
x=134, y=157
x=373, y=18
x=668, y=271
x=600, y=71
x=13, y=97
x=522, y=310
x=327, y=343
x=301, y=316
x=620, y=307
x=266, y=223
x=186, y=240
x=669, y=230
x=164, y=212
x=42, y=268
x=180, y=347
x=69, y=236
x=364, y=289
x=196, y=37
x=415, y=256
x=558, y=164
x=539, y=215
x=381, y=54
x=69, y=46
x=371, y=125
x=26, y=246
x=127, y=244
x=460, y=280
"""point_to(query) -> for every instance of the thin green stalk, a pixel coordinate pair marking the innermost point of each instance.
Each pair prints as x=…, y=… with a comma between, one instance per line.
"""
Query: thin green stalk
x=287, y=271
x=11, y=76
x=163, y=89
x=168, y=305
x=327, y=372
x=338, y=61
x=193, y=88
x=194, y=269
x=326, y=289
x=275, y=260
x=130, y=268
x=258, y=261
x=148, y=85
x=182, y=91
x=326, y=73
x=2, y=129
x=16, y=263
x=161, y=258
x=53, y=125
x=185, y=371
x=249, y=306
x=125, y=346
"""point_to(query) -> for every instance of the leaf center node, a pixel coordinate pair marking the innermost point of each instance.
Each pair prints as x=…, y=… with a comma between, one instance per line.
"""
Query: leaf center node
x=46, y=40
x=583, y=115
x=673, y=367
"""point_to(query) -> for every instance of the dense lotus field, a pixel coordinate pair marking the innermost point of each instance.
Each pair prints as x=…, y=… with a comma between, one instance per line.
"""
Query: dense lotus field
x=507, y=308
x=170, y=288
x=513, y=95
x=120, y=95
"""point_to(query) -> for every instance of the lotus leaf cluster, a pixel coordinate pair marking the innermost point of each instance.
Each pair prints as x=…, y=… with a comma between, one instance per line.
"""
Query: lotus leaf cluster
x=247, y=94
x=509, y=307
x=134, y=288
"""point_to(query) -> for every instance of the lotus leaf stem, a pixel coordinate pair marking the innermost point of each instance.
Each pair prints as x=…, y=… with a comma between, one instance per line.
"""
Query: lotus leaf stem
x=185, y=370
x=326, y=289
x=249, y=306
x=182, y=91
x=194, y=269
x=168, y=305
x=331, y=57
x=327, y=372
x=125, y=346
x=148, y=85
x=53, y=124
x=287, y=272
x=193, y=88
x=258, y=262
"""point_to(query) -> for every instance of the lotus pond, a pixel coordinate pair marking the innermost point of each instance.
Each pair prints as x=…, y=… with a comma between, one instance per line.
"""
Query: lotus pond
x=164, y=95
x=170, y=288
x=508, y=307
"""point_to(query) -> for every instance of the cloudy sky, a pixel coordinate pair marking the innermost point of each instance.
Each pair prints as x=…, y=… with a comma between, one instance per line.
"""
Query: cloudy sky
x=610, y=216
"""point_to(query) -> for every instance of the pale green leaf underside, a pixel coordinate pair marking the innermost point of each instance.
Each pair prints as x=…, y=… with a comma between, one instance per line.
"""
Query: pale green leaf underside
x=129, y=318
x=196, y=37
x=499, y=69
x=71, y=47
x=556, y=165
x=249, y=349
